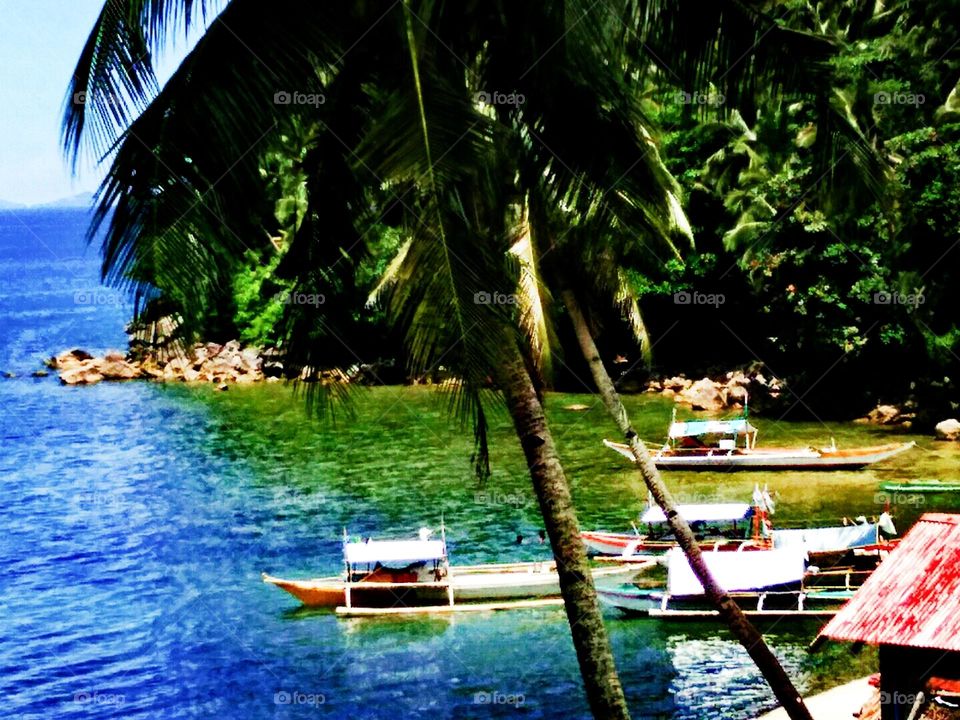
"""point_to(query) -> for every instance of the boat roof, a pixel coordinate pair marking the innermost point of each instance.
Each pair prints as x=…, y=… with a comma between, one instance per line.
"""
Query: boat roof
x=387, y=551
x=707, y=512
x=692, y=428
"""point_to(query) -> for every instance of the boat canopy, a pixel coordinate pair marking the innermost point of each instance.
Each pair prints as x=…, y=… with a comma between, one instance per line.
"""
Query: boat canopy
x=827, y=538
x=694, y=428
x=735, y=571
x=393, y=551
x=708, y=512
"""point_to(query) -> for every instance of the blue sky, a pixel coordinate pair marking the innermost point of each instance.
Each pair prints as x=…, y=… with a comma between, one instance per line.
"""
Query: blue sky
x=39, y=46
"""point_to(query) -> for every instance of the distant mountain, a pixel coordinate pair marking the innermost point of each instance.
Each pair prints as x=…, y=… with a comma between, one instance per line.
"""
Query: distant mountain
x=81, y=200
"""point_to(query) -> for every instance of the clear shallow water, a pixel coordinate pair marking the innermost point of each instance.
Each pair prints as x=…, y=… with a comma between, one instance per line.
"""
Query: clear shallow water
x=137, y=518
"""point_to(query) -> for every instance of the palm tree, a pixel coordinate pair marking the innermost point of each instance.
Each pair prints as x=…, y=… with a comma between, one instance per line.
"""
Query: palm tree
x=463, y=124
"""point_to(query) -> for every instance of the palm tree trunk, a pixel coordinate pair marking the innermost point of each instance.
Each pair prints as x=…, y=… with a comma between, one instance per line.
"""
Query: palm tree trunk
x=741, y=628
x=602, y=685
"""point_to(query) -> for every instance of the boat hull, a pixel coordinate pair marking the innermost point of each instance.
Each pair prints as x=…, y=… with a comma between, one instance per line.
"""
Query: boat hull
x=628, y=546
x=781, y=601
x=771, y=458
x=470, y=584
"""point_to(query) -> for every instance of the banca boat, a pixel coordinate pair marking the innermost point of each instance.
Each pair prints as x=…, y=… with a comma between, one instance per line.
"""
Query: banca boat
x=413, y=573
x=764, y=584
x=921, y=486
x=740, y=527
x=731, y=445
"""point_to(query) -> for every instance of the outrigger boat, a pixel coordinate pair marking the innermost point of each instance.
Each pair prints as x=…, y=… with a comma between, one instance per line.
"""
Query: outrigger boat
x=718, y=526
x=397, y=575
x=766, y=584
x=921, y=486
x=731, y=445
x=739, y=527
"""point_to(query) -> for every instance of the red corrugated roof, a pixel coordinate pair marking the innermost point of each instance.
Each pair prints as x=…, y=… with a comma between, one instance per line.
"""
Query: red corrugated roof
x=913, y=598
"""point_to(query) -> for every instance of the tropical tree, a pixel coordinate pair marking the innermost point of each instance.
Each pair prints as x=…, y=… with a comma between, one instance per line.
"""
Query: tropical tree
x=463, y=126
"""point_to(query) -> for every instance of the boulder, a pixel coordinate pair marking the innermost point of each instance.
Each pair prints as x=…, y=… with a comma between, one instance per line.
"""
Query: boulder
x=703, y=395
x=948, y=430
x=734, y=395
x=114, y=367
x=677, y=383
x=881, y=415
x=81, y=375
x=70, y=359
x=39, y=373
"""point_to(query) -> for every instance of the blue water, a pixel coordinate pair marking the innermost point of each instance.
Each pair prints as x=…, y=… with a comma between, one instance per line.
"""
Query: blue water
x=137, y=517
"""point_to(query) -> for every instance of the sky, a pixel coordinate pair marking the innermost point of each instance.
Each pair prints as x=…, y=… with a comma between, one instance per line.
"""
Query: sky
x=40, y=41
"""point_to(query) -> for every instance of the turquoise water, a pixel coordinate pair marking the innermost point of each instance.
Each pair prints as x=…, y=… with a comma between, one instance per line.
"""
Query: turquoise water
x=138, y=517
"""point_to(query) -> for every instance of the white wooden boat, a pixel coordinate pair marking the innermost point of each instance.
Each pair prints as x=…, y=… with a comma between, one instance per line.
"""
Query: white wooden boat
x=413, y=573
x=731, y=445
x=770, y=584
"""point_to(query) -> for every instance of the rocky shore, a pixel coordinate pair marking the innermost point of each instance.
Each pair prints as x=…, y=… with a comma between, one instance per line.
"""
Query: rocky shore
x=730, y=391
x=204, y=362
x=224, y=365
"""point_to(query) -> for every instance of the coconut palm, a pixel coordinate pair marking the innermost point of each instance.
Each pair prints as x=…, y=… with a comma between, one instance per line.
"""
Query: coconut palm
x=473, y=127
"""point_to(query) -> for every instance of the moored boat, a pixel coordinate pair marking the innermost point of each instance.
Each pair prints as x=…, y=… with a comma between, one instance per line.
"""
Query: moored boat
x=739, y=527
x=731, y=445
x=768, y=584
x=414, y=573
x=921, y=486
x=719, y=526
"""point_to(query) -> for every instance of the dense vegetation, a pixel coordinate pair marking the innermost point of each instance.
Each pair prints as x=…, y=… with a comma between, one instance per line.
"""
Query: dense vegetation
x=496, y=175
x=832, y=267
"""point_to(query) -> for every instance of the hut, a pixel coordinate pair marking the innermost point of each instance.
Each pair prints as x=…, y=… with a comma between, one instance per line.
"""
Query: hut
x=910, y=609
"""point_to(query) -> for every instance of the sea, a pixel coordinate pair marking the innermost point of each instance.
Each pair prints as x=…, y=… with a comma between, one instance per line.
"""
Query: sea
x=136, y=519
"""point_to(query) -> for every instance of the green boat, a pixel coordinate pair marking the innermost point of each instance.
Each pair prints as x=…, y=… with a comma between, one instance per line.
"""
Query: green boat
x=921, y=486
